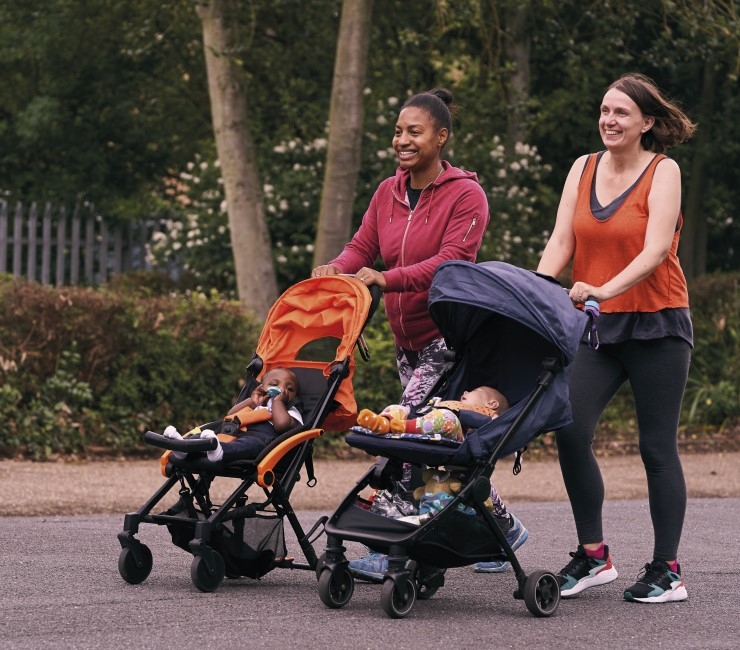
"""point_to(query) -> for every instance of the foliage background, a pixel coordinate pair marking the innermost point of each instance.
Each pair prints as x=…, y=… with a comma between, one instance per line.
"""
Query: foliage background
x=107, y=103
x=87, y=371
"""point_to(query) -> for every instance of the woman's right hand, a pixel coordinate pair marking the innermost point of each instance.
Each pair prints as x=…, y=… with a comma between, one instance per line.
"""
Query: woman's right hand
x=325, y=269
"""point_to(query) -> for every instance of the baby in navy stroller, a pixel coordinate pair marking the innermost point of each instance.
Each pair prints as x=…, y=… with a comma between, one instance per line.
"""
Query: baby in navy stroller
x=508, y=328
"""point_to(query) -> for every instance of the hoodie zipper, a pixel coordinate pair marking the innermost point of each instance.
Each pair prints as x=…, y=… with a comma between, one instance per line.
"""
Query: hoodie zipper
x=472, y=225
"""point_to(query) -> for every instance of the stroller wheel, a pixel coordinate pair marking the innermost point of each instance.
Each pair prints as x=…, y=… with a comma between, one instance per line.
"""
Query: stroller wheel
x=398, y=600
x=202, y=577
x=541, y=593
x=131, y=571
x=336, y=587
x=428, y=581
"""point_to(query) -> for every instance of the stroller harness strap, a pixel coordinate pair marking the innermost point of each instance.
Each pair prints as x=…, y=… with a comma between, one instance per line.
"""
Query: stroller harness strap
x=243, y=418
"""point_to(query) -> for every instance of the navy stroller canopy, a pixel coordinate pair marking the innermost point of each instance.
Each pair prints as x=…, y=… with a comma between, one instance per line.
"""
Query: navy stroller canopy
x=503, y=322
x=505, y=325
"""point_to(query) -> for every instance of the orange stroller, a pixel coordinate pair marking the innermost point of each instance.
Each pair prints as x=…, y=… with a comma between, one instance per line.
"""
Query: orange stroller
x=313, y=329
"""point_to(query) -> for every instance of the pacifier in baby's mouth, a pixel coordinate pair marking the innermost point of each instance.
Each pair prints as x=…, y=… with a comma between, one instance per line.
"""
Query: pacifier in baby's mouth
x=273, y=391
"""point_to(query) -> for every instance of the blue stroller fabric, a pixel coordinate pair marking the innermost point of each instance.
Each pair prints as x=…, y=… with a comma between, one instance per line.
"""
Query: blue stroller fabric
x=503, y=323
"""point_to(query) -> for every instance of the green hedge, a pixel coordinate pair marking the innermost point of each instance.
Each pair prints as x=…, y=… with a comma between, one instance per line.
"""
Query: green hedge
x=84, y=370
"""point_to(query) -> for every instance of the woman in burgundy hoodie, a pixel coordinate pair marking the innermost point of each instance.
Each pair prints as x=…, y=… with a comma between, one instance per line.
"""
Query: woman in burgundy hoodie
x=427, y=213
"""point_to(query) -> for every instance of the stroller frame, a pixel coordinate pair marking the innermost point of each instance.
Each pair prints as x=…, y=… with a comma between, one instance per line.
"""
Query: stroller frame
x=419, y=554
x=212, y=533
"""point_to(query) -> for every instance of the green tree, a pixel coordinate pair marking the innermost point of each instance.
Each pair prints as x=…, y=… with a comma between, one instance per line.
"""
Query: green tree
x=345, y=130
x=250, y=237
x=98, y=100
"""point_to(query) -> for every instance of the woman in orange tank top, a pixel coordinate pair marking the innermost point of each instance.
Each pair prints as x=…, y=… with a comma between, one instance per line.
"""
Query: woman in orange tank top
x=619, y=221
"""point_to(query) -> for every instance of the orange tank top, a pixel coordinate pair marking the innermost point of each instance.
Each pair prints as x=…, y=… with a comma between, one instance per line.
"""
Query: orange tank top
x=605, y=247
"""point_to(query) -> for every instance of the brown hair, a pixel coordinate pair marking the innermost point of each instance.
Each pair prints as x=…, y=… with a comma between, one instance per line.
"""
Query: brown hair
x=672, y=125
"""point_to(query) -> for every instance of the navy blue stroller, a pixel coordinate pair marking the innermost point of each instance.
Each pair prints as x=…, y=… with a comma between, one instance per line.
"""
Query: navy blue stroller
x=508, y=328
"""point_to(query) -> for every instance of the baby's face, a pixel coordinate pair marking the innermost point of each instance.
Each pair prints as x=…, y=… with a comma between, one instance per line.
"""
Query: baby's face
x=283, y=379
x=480, y=396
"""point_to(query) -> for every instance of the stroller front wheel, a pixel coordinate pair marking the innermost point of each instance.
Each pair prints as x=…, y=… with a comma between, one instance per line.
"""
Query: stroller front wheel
x=132, y=571
x=205, y=579
x=336, y=587
x=541, y=593
x=397, y=599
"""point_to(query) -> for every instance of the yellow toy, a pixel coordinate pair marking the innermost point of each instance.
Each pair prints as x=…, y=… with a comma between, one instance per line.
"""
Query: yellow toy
x=439, y=488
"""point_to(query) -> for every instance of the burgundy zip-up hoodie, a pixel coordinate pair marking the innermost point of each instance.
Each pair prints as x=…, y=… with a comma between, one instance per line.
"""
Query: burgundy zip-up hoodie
x=447, y=224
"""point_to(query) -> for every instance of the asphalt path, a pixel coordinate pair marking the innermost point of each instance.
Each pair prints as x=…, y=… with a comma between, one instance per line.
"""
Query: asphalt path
x=60, y=588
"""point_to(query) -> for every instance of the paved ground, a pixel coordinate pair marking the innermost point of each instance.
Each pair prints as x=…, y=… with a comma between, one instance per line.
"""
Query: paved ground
x=112, y=487
x=61, y=587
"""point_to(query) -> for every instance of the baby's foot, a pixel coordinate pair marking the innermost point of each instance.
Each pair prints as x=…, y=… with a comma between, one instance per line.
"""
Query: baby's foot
x=216, y=454
x=171, y=432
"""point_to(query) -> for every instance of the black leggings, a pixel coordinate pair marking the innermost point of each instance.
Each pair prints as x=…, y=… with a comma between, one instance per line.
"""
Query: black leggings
x=657, y=371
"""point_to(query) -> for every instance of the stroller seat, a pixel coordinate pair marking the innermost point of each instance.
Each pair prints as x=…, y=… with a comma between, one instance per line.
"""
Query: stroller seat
x=313, y=329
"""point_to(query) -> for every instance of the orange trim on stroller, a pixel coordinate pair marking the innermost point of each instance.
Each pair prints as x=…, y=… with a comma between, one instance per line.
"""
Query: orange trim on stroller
x=266, y=467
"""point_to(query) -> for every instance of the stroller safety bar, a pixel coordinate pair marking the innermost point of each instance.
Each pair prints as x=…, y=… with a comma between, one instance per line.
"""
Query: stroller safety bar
x=266, y=467
x=188, y=446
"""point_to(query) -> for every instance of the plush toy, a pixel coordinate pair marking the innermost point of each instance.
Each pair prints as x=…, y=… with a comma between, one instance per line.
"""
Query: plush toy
x=391, y=420
x=439, y=488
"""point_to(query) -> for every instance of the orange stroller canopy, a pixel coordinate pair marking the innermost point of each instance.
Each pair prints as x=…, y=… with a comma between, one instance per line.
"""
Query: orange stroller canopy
x=314, y=324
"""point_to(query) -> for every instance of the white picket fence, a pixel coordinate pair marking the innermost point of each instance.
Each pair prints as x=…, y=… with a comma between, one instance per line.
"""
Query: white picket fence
x=53, y=247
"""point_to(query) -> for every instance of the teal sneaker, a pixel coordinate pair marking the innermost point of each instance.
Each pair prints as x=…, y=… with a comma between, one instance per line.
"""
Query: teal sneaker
x=657, y=584
x=516, y=536
x=583, y=572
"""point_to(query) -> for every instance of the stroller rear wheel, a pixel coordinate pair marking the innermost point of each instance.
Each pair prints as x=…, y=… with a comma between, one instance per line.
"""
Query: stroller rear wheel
x=541, y=593
x=205, y=579
x=132, y=571
x=336, y=587
x=397, y=599
x=428, y=579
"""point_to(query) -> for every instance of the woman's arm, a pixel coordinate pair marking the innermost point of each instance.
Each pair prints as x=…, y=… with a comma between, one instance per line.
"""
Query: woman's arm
x=561, y=245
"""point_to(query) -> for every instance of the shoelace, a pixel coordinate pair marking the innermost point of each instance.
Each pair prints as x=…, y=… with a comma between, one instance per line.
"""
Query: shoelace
x=652, y=574
x=579, y=559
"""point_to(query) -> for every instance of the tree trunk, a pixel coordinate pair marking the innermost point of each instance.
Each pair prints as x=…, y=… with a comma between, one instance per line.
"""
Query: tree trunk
x=517, y=50
x=693, y=246
x=250, y=237
x=345, y=130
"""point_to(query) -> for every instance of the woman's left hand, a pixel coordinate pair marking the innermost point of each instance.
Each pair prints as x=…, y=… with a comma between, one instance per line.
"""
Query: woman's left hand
x=580, y=292
x=370, y=276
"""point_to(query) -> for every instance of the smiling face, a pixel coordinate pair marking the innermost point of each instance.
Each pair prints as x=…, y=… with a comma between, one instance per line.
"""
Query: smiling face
x=418, y=141
x=621, y=123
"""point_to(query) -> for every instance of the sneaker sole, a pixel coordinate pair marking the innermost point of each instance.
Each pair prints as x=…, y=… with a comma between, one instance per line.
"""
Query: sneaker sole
x=477, y=568
x=498, y=569
x=673, y=596
x=603, y=577
x=366, y=575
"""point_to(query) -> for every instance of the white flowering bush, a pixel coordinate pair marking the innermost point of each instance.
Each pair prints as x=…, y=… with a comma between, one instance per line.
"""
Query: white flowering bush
x=193, y=240
x=522, y=206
